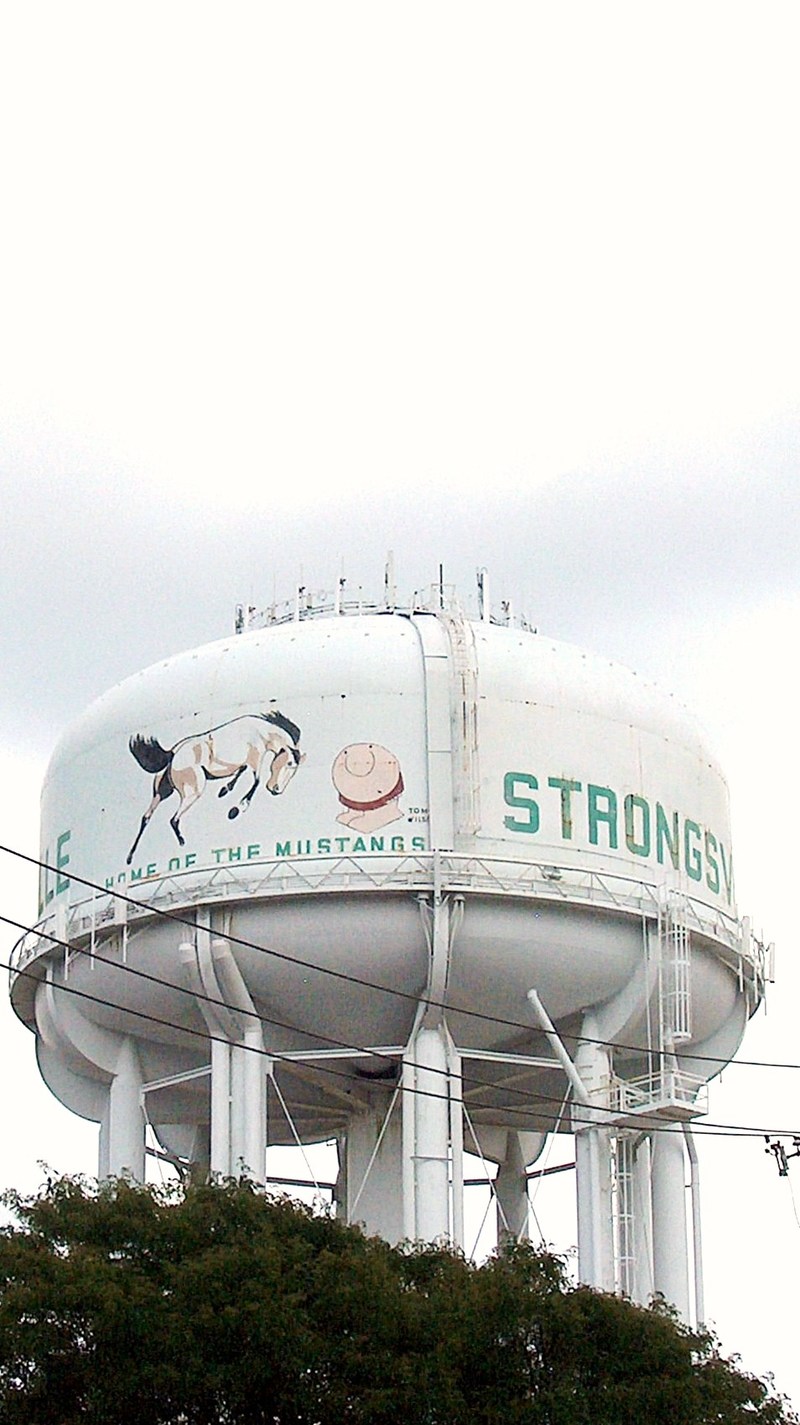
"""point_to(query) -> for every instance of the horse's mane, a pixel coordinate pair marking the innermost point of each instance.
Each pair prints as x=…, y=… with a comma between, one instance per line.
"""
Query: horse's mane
x=285, y=724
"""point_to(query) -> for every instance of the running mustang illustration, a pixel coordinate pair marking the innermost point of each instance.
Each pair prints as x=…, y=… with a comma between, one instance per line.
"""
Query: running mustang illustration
x=225, y=752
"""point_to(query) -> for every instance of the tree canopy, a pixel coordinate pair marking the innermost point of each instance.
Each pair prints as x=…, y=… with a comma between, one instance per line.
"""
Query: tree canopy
x=218, y=1305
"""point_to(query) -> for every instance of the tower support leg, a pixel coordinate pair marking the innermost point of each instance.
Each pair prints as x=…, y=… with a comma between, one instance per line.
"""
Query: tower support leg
x=697, y=1235
x=123, y=1141
x=220, y=1108
x=431, y=1150
x=431, y=1139
x=595, y=1225
x=432, y=1108
x=670, y=1266
x=511, y=1190
x=643, y=1276
x=372, y=1184
x=593, y=1158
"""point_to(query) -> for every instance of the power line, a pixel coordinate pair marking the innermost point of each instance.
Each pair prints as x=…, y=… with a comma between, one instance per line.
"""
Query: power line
x=644, y=1121
x=363, y=983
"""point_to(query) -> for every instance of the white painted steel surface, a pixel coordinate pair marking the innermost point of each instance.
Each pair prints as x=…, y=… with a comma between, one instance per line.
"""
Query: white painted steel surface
x=448, y=816
x=580, y=761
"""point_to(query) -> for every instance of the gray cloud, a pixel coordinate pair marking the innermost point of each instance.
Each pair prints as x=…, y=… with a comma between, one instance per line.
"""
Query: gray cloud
x=100, y=577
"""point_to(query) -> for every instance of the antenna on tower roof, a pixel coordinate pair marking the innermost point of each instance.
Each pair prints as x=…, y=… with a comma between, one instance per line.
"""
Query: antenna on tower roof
x=484, y=608
x=390, y=588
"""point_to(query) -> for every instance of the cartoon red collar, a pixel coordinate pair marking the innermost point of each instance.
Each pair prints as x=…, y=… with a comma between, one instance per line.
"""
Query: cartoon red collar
x=380, y=802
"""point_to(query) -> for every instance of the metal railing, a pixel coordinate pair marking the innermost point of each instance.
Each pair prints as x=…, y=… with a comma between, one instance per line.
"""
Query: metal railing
x=387, y=873
x=666, y=1092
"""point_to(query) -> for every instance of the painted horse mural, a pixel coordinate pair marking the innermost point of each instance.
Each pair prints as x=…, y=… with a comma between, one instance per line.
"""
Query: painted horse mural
x=222, y=753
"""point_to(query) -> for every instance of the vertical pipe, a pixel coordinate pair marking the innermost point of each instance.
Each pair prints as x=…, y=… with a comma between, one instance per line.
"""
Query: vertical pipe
x=604, y=1213
x=221, y=1108
x=255, y=1100
x=431, y=1159
x=591, y=1066
x=644, y=1278
x=457, y=1147
x=595, y=1228
x=238, y=1137
x=595, y=1208
x=697, y=1234
x=249, y=1069
x=103, y=1169
x=589, y=1078
x=584, y=1173
x=409, y=1148
x=670, y=1266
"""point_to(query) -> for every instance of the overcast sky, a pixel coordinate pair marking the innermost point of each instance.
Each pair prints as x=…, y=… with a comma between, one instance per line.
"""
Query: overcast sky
x=284, y=287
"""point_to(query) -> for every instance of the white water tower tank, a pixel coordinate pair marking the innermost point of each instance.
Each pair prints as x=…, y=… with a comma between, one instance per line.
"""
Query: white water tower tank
x=403, y=879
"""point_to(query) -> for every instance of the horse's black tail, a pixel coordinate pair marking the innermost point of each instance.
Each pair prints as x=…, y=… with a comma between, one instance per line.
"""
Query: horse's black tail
x=149, y=753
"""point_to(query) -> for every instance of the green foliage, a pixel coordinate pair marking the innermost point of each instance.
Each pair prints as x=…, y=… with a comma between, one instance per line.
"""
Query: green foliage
x=219, y=1305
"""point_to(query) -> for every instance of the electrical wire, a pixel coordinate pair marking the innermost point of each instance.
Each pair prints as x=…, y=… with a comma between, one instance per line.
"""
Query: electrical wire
x=472, y=1081
x=645, y=1122
x=362, y=983
x=548, y=1152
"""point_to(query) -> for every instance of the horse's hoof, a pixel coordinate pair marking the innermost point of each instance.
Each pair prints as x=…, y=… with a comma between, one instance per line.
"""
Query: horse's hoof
x=234, y=811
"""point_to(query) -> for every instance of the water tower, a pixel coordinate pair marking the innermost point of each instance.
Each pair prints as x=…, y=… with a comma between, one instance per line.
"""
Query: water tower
x=413, y=881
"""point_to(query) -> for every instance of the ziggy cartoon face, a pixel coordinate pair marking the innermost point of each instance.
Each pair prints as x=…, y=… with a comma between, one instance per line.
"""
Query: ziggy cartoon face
x=369, y=782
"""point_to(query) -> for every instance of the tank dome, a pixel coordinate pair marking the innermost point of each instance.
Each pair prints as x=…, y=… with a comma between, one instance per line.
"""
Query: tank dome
x=333, y=864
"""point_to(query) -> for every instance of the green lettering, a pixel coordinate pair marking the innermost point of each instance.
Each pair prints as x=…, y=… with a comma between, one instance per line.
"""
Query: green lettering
x=602, y=815
x=136, y=873
x=639, y=845
x=663, y=836
x=62, y=860
x=234, y=853
x=531, y=823
x=48, y=889
x=45, y=854
x=324, y=846
x=713, y=864
x=694, y=861
x=376, y=843
x=253, y=850
x=567, y=788
x=727, y=873
x=398, y=844
x=174, y=863
x=283, y=848
x=358, y=845
x=418, y=843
